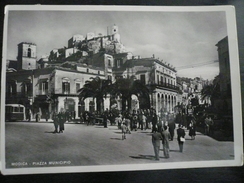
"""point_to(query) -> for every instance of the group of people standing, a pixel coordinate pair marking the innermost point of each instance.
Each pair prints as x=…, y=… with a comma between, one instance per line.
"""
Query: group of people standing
x=143, y=120
x=165, y=136
x=59, y=120
x=162, y=129
x=139, y=119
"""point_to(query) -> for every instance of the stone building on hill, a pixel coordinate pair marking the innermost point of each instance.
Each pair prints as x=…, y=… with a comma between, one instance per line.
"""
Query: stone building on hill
x=51, y=83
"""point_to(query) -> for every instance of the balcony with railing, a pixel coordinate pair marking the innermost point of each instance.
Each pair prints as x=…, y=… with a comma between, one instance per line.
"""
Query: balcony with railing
x=43, y=92
x=167, y=86
x=15, y=97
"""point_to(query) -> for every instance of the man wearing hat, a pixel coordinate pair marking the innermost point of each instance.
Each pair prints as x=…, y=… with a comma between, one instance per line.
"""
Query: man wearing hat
x=181, y=137
x=156, y=137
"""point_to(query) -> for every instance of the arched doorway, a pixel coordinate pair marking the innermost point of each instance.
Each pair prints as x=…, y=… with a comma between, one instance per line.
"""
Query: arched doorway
x=159, y=103
x=69, y=104
x=134, y=102
x=81, y=107
x=91, y=106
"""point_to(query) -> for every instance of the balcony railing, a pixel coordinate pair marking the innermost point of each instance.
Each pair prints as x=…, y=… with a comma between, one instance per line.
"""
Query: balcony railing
x=43, y=92
x=167, y=85
x=19, y=94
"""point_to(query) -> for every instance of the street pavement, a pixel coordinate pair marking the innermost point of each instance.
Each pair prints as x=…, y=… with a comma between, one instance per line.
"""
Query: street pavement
x=32, y=144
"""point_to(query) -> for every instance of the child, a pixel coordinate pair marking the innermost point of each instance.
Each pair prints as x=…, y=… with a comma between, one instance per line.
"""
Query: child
x=124, y=129
x=127, y=124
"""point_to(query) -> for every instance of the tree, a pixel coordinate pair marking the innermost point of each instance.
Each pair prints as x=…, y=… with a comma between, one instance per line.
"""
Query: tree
x=212, y=91
x=96, y=88
x=126, y=87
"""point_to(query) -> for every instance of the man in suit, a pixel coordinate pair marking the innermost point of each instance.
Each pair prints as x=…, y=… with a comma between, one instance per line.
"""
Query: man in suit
x=55, y=122
x=165, y=141
x=61, y=119
x=171, y=126
x=181, y=136
x=156, y=137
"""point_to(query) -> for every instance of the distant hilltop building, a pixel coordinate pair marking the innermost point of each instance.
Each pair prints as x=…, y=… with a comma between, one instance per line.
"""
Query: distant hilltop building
x=90, y=44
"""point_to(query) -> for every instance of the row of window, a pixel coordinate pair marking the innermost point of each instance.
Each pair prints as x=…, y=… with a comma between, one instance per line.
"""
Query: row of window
x=159, y=81
x=26, y=89
x=166, y=71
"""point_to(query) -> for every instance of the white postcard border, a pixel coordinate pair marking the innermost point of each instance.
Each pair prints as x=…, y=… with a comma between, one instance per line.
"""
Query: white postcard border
x=235, y=81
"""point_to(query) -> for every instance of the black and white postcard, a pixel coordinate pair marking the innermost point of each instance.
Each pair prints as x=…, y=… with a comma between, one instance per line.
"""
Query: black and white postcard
x=119, y=88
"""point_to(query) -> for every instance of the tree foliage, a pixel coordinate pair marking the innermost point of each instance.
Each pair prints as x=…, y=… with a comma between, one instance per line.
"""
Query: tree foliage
x=212, y=91
x=126, y=87
x=96, y=88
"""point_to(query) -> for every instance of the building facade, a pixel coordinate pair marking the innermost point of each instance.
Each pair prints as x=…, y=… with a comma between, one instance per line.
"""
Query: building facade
x=52, y=83
x=52, y=89
x=225, y=101
x=159, y=77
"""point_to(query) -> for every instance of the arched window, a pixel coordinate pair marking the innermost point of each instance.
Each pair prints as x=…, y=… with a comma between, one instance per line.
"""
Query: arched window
x=109, y=62
x=65, y=86
x=11, y=88
x=26, y=88
x=43, y=87
x=77, y=84
x=29, y=52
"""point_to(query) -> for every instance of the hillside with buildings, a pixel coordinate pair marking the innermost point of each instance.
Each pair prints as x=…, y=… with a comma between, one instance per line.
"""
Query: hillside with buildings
x=52, y=82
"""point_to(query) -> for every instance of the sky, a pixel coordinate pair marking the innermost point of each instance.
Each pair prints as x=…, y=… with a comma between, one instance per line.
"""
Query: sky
x=182, y=39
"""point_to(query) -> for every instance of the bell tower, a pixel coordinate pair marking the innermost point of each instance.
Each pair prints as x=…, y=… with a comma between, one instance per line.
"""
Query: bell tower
x=115, y=29
x=26, y=56
x=115, y=33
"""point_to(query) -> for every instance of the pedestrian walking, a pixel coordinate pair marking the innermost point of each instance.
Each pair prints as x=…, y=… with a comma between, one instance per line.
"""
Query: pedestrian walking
x=55, y=122
x=119, y=121
x=156, y=137
x=211, y=126
x=192, y=129
x=148, y=117
x=160, y=125
x=144, y=120
x=124, y=130
x=171, y=125
x=28, y=115
x=127, y=124
x=181, y=137
x=184, y=121
x=208, y=121
x=134, y=121
x=165, y=141
x=86, y=117
x=154, y=122
x=130, y=118
x=61, y=119
x=81, y=118
x=38, y=116
x=105, y=119
x=179, y=118
x=47, y=116
x=111, y=118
